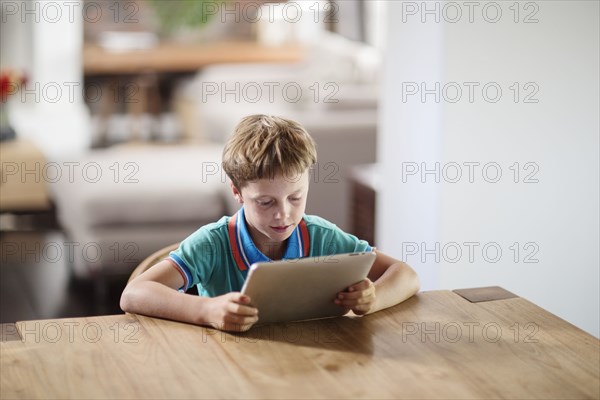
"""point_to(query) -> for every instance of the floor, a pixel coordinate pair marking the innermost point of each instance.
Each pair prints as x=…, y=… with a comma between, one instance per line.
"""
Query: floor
x=36, y=280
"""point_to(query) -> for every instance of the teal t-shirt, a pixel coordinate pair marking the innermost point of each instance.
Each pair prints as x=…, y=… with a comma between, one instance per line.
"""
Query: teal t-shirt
x=217, y=256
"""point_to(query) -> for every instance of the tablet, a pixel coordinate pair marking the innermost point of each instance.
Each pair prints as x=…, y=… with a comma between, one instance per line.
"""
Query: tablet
x=304, y=288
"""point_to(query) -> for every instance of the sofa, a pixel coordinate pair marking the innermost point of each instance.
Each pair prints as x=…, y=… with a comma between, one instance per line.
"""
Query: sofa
x=127, y=201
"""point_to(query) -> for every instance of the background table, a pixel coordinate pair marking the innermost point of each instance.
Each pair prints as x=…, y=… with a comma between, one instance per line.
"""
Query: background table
x=435, y=345
x=23, y=171
x=173, y=57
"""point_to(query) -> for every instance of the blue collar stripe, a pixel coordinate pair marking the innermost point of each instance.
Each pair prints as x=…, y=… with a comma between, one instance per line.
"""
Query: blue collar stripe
x=250, y=254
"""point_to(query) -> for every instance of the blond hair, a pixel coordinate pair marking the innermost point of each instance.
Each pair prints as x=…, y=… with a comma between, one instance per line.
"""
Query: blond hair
x=264, y=146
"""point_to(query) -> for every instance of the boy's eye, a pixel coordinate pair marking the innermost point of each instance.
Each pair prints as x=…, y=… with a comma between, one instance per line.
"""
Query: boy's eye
x=263, y=202
x=295, y=198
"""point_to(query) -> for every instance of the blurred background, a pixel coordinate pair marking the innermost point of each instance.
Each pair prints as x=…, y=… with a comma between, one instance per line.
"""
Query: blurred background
x=461, y=137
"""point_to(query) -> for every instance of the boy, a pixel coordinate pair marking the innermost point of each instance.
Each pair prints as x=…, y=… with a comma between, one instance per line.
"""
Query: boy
x=267, y=161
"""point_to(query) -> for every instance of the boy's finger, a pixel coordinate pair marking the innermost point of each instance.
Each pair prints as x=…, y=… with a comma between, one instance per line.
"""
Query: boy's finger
x=360, y=310
x=240, y=309
x=354, y=295
x=348, y=296
x=240, y=319
x=237, y=297
x=248, y=320
x=353, y=302
x=237, y=326
x=362, y=285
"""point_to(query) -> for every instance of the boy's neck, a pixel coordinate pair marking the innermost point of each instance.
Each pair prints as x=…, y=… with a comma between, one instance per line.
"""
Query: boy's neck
x=274, y=251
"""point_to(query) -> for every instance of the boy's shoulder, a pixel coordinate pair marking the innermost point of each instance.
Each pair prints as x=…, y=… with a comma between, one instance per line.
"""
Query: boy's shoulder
x=217, y=225
x=315, y=222
x=212, y=230
x=328, y=238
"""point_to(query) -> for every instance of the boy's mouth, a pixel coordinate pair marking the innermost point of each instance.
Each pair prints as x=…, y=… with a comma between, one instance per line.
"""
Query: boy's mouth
x=280, y=229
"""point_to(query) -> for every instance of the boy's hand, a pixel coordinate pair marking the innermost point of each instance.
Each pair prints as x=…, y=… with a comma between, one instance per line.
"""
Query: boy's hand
x=232, y=312
x=359, y=297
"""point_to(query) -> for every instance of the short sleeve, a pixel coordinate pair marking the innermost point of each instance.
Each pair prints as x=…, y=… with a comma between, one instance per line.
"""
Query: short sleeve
x=195, y=258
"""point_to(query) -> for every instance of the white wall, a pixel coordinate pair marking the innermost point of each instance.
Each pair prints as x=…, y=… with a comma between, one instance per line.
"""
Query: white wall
x=556, y=220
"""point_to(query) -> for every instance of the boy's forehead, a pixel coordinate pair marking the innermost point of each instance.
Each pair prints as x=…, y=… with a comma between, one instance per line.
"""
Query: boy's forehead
x=278, y=184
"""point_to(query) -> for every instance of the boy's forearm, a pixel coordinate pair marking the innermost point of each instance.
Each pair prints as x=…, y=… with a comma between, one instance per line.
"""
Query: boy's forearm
x=398, y=283
x=157, y=300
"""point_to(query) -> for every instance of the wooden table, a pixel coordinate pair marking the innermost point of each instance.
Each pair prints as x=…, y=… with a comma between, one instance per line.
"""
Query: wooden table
x=435, y=345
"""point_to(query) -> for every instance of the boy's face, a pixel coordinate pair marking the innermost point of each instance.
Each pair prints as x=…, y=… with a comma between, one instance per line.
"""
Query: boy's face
x=273, y=207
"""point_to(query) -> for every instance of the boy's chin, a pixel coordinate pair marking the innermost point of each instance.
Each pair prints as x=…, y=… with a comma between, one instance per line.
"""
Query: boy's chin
x=280, y=237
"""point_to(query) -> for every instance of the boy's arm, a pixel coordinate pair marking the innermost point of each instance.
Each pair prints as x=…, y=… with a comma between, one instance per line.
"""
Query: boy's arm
x=388, y=283
x=154, y=293
x=394, y=281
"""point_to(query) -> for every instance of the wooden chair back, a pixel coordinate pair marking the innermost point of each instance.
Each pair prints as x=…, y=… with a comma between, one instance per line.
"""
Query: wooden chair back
x=151, y=260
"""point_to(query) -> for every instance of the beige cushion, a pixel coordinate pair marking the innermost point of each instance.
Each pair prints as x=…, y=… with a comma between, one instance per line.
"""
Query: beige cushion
x=141, y=184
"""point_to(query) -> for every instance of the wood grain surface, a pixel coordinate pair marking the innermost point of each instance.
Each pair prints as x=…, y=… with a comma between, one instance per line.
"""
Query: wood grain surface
x=435, y=345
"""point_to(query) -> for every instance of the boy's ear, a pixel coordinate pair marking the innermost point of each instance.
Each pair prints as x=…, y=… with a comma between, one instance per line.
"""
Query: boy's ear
x=236, y=193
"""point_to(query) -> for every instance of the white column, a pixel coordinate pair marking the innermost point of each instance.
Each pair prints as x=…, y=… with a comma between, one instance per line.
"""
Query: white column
x=410, y=133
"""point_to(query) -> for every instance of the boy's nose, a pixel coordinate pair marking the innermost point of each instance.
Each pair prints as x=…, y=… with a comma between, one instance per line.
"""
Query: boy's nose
x=281, y=212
